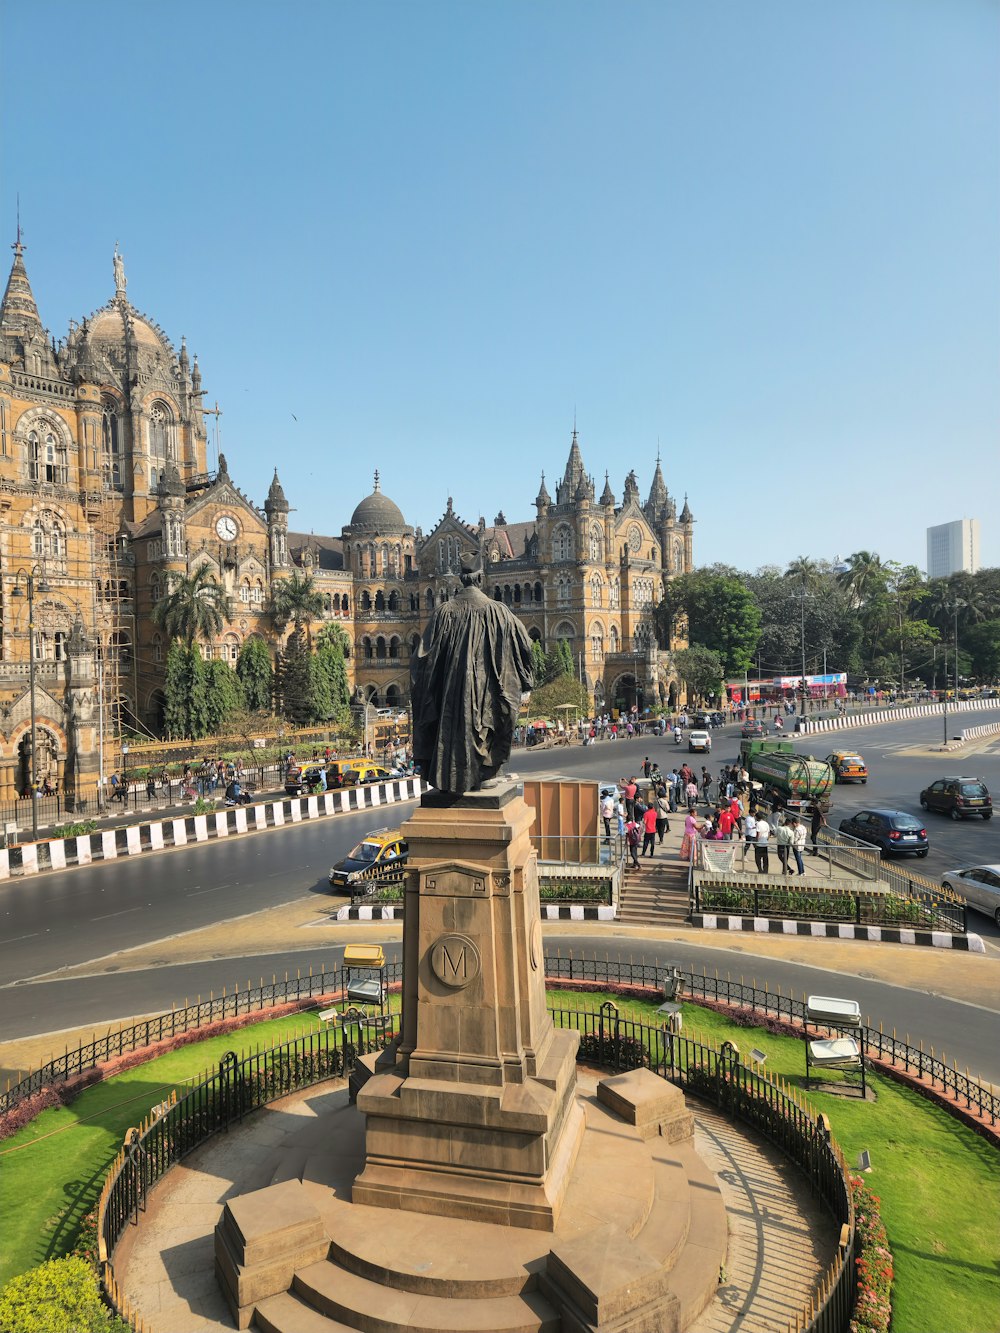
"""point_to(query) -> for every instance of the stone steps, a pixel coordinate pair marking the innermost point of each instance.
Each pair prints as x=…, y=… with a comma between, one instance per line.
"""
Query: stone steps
x=656, y=893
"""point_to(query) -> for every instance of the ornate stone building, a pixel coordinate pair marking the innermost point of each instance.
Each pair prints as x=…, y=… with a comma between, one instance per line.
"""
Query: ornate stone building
x=106, y=491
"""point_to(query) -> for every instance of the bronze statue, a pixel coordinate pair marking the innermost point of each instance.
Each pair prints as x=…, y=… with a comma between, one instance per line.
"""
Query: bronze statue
x=467, y=678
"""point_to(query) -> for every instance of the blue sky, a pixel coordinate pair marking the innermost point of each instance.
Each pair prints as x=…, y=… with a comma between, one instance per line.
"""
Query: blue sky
x=421, y=236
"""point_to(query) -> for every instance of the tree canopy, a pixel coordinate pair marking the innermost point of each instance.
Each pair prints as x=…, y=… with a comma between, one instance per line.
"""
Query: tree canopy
x=722, y=616
x=195, y=607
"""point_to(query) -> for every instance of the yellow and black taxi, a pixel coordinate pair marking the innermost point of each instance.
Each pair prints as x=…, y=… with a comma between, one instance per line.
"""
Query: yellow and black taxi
x=300, y=778
x=380, y=855
x=848, y=766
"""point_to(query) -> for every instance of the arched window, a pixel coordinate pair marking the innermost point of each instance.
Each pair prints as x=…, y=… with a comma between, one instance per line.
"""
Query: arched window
x=596, y=591
x=498, y=594
x=596, y=544
x=429, y=599
x=366, y=645
x=155, y=591
x=366, y=600
x=562, y=543
x=161, y=432
x=414, y=644
x=245, y=592
x=380, y=648
x=121, y=644
x=597, y=642
x=111, y=450
x=48, y=537
x=231, y=649
x=258, y=592
x=616, y=589
x=393, y=602
x=157, y=648
x=38, y=538
x=380, y=601
x=563, y=591
x=345, y=605
x=614, y=638
x=678, y=558
x=47, y=456
x=394, y=646
x=538, y=593
x=392, y=696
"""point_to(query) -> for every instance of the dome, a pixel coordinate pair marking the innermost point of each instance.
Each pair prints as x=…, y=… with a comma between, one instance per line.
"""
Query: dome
x=107, y=326
x=377, y=513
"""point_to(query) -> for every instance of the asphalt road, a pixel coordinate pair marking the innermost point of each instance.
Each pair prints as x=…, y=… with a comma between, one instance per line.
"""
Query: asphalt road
x=68, y=918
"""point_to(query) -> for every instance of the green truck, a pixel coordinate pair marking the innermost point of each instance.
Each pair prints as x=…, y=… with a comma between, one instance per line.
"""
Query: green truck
x=788, y=780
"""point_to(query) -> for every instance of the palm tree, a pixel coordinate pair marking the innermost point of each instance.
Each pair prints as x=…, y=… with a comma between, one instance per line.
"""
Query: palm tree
x=864, y=578
x=295, y=599
x=805, y=570
x=196, y=607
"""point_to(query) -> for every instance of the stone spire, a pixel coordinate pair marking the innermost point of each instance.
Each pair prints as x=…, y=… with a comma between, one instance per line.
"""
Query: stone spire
x=18, y=312
x=543, y=497
x=574, y=474
x=686, y=515
x=276, y=502
x=658, y=491
x=607, y=495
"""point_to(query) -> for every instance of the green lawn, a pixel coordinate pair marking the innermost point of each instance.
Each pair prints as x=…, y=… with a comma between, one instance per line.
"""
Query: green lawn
x=939, y=1183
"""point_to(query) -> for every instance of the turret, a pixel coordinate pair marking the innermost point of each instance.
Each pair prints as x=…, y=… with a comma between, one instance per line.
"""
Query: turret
x=170, y=499
x=276, y=507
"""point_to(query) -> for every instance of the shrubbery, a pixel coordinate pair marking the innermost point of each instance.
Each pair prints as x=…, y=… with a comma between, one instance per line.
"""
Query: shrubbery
x=77, y=830
x=873, y=1311
x=60, y=1296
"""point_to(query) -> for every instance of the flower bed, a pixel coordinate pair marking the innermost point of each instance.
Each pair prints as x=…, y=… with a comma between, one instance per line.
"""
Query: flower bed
x=873, y=1310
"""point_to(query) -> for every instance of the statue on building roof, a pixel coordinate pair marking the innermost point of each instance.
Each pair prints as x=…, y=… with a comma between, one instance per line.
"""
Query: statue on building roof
x=121, y=281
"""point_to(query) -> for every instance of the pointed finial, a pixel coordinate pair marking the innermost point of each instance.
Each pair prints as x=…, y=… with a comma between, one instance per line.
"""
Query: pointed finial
x=376, y=478
x=17, y=247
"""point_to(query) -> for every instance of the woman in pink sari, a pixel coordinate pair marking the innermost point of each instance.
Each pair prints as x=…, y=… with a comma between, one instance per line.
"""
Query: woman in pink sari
x=692, y=824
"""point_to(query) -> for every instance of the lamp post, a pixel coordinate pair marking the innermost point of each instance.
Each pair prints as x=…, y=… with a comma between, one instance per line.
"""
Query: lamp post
x=30, y=585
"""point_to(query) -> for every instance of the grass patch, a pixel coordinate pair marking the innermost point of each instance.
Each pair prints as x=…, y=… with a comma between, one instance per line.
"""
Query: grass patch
x=937, y=1180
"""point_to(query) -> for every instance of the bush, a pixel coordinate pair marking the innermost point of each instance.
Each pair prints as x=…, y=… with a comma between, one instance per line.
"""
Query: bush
x=574, y=891
x=77, y=830
x=61, y=1296
x=873, y=1311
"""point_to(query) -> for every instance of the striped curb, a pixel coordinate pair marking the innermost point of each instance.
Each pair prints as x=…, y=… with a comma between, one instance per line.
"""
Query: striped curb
x=837, y=930
x=550, y=912
x=808, y=726
x=188, y=830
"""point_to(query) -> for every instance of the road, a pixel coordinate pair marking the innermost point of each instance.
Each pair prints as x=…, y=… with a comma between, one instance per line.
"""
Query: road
x=68, y=918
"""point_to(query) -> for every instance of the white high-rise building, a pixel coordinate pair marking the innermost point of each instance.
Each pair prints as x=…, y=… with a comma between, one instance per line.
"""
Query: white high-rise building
x=953, y=548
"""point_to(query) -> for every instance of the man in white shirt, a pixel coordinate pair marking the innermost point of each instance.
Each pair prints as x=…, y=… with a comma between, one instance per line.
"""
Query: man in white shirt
x=783, y=840
x=798, y=844
x=608, y=811
x=760, y=844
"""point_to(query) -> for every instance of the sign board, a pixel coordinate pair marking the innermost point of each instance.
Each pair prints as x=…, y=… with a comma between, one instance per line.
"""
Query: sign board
x=718, y=857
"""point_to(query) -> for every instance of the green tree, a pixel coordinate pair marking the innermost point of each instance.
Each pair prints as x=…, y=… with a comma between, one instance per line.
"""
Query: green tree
x=321, y=707
x=982, y=643
x=700, y=669
x=223, y=695
x=186, y=707
x=196, y=606
x=295, y=600
x=330, y=661
x=564, y=689
x=295, y=680
x=256, y=674
x=721, y=612
x=538, y=663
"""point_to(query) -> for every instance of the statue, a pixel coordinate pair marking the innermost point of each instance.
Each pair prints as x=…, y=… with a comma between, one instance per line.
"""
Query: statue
x=467, y=678
x=120, y=281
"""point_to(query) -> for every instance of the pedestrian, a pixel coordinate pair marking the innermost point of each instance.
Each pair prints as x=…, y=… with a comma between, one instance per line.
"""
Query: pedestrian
x=692, y=825
x=725, y=822
x=817, y=822
x=662, y=811
x=629, y=787
x=673, y=783
x=798, y=843
x=645, y=767
x=706, y=783
x=150, y=786
x=760, y=844
x=692, y=794
x=607, y=811
x=649, y=830
x=783, y=841
x=632, y=839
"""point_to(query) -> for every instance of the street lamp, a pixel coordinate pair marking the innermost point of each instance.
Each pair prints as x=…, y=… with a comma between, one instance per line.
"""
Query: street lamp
x=42, y=587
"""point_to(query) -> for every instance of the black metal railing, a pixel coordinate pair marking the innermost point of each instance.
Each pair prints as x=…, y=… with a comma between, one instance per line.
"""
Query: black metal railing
x=863, y=907
x=961, y=1087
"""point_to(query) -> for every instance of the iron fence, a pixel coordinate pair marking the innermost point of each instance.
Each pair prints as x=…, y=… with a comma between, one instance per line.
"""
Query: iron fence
x=961, y=1087
x=729, y=897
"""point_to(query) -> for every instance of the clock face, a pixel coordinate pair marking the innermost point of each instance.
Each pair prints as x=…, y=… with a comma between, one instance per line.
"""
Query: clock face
x=226, y=528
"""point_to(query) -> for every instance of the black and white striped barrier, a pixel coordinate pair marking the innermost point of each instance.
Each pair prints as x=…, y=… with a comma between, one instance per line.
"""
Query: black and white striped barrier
x=550, y=912
x=188, y=830
x=809, y=726
x=973, y=733
x=834, y=930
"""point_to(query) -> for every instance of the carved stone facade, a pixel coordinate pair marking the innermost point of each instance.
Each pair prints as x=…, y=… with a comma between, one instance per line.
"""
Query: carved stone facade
x=106, y=490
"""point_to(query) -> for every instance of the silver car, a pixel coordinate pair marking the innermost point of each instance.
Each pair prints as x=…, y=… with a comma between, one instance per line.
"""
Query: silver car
x=979, y=886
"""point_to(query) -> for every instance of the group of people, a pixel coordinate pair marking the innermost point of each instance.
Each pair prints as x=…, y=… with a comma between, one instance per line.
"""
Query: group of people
x=641, y=818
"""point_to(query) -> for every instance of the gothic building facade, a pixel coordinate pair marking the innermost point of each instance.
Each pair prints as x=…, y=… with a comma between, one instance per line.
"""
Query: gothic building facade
x=106, y=493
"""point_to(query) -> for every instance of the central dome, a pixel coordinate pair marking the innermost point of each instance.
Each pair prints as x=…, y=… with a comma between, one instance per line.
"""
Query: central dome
x=378, y=513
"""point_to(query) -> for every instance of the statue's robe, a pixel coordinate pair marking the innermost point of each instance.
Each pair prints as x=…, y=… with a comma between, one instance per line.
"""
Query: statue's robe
x=473, y=665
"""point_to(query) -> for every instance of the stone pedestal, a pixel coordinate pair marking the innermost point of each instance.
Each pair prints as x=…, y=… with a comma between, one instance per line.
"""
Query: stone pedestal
x=472, y=1114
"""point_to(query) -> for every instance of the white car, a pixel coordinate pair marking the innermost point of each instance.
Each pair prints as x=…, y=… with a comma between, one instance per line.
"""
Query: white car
x=979, y=886
x=699, y=742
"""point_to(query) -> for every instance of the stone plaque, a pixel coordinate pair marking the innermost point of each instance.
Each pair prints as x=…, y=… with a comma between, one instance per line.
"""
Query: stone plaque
x=455, y=960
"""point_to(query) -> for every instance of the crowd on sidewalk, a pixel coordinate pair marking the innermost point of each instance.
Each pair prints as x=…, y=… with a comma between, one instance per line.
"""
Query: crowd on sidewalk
x=725, y=809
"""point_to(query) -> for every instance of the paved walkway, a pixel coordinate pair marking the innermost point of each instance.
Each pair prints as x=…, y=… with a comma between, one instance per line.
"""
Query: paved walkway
x=779, y=1240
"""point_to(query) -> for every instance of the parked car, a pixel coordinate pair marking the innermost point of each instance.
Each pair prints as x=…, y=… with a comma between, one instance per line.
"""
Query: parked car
x=699, y=742
x=848, y=766
x=344, y=772
x=893, y=832
x=979, y=886
x=302, y=777
x=752, y=730
x=962, y=798
x=381, y=853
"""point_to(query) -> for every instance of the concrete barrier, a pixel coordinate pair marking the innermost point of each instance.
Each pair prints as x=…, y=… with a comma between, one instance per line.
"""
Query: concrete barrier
x=109, y=844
